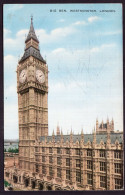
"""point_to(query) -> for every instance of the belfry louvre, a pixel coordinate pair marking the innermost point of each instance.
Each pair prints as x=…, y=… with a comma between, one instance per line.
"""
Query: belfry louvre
x=59, y=162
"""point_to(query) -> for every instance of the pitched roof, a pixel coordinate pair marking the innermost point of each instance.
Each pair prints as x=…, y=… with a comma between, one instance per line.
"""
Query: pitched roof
x=31, y=51
x=99, y=137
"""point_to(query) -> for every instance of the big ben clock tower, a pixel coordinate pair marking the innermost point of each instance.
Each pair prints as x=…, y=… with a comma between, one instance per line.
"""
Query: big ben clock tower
x=32, y=89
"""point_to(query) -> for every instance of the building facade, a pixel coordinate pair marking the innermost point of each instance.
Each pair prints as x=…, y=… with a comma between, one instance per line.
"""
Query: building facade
x=59, y=162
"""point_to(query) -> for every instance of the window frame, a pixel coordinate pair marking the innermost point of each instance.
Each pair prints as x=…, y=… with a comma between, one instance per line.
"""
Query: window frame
x=117, y=154
x=102, y=166
x=67, y=174
x=50, y=171
x=59, y=172
x=118, y=168
x=102, y=181
x=89, y=164
x=58, y=150
x=67, y=162
x=102, y=154
x=58, y=161
x=89, y=179
x=78, y=176
x=77, y=151
x=50, y=150
x=37, y=168
x=43, y=159
x=50, y=160
x=43, y=169
x=118, y=184
x=67, y=150
x=78, y=164
x=89, y=152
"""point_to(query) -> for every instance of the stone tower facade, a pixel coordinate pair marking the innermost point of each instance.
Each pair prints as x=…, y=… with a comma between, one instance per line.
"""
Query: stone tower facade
x=32, y=89
x=104, y=127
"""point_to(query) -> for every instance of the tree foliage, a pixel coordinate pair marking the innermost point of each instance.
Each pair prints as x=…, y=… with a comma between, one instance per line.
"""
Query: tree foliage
x=16, y=150
x=6, y=183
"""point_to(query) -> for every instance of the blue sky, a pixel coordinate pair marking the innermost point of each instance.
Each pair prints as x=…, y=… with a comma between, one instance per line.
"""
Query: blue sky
x=84, y=56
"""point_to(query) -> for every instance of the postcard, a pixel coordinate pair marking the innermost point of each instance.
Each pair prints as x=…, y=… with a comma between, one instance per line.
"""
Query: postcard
x=63, y=97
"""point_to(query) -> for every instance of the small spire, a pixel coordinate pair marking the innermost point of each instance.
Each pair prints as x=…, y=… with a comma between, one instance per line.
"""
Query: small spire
x=53, y=132
x=58, y=130
x=82, y=135
x=31, y=18
x=71, y=135
x=102, y=123
x=71, y=130
x=82, y=131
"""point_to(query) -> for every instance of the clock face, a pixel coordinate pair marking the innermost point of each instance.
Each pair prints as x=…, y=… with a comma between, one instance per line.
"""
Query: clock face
x=40, y=76
x=23, y=75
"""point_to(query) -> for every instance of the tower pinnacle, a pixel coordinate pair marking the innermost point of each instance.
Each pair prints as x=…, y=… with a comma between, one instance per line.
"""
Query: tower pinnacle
x=32, y=45
x=31, y=33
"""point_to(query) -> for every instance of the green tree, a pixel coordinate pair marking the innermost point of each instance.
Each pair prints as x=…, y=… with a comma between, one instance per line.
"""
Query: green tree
x=6, y=183
x=16, y=150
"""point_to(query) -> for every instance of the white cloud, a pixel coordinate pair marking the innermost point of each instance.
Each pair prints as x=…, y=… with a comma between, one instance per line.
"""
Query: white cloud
x=80, y=23
x=55, y=34
x=22, y=33
x=58, y=50
x=6, y=32
x=93, y=19
x=90, y=20
x=10, y=63
x=44, y=37
x=72, y=57
x=15, y=44
x=102, y=47
x=61, y=31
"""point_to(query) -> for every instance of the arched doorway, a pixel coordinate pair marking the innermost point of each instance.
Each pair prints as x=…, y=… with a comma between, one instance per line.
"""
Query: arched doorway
x=49, y=188
x=26, y=182
x=33, y=184
x=15, y=179
x=40, y=186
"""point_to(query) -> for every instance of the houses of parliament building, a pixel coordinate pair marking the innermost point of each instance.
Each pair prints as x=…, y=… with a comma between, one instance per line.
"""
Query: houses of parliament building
x=59, y=162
